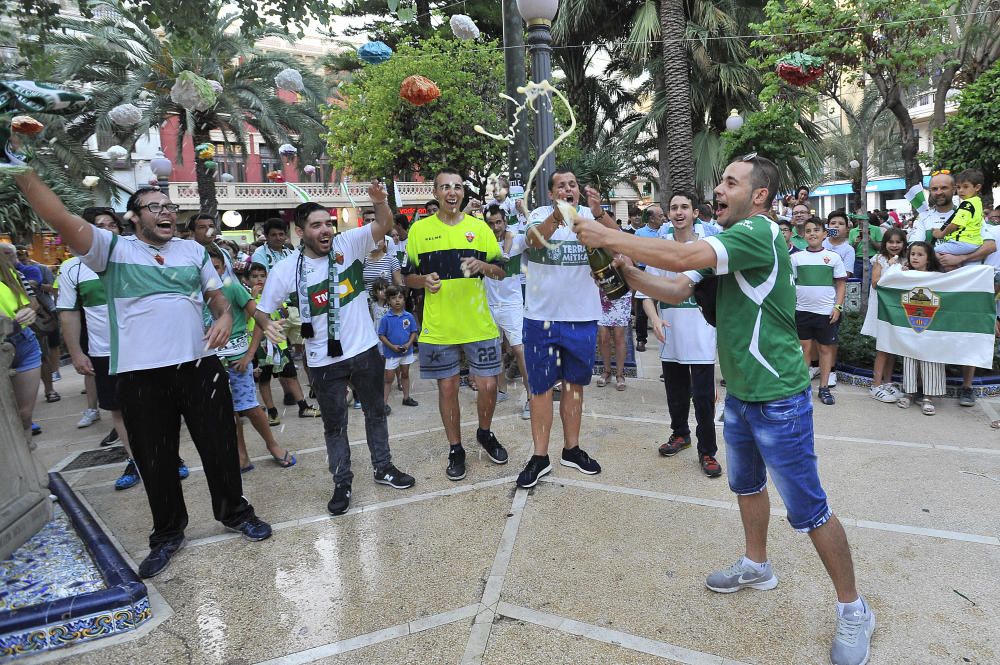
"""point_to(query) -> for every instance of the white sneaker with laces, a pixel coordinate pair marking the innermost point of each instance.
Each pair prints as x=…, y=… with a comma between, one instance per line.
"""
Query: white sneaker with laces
x=882, y=394
x=89, y=417
x=526, y=410
x=852, y=641
x=813, y=373
x=832, y=383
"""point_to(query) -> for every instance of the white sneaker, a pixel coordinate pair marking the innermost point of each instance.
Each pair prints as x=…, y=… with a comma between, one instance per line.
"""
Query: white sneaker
x=526, y=410
x=89, y=417
x=832, y=383
x=883, y=393
x=893, y=390
x=501, y=396
x=813, y=373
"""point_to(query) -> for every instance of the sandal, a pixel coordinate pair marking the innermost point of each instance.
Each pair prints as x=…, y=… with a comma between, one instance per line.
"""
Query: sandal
x=621, y=383
x=903, y=402
x=603, y=380
x=248, y=467
x=284, y=462
x=927, y=408
x=52, y=396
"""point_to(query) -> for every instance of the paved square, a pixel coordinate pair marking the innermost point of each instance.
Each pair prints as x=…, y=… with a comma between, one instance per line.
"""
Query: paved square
x=581, y=569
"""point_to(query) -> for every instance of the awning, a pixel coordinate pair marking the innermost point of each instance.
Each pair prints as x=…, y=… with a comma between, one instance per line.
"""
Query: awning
x=833, y=189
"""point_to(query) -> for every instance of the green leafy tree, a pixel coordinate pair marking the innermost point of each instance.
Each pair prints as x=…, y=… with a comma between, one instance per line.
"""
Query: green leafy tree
x=971, y=137
x=120, y=59
x=375, y=133
x=398, y=22
x=884, y=43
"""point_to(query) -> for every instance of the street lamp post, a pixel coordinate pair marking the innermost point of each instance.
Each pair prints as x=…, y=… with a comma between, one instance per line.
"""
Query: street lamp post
x=538, y=14
x=514, y=75
x=162, y=168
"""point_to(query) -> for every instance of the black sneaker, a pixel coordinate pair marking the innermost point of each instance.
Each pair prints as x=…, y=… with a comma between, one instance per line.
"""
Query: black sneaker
x=393, y=477
x=289, y=400
x=456, y=463
x=536, y=467
x=493, y=448
x=826, y=396
x=341, y=500
x=112, y=437
x=578, y=459
x=388, y=410
x=253, y=529
x=409, y=401
x=158, y=559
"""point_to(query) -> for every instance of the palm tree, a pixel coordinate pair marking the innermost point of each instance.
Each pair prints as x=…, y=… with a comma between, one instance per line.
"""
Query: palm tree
x=120, y=59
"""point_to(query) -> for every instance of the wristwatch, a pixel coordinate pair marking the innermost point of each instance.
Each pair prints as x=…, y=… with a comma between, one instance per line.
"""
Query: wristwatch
x=839, y=308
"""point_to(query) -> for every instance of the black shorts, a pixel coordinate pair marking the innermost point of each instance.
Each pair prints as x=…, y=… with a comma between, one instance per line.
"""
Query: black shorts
x=289, y=371
x=812, y=326
x=107, y=384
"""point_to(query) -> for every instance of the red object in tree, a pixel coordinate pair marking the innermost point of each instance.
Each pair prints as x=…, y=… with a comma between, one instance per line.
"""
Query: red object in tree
x=796, y=76
x=419, y=90
x=275, y=176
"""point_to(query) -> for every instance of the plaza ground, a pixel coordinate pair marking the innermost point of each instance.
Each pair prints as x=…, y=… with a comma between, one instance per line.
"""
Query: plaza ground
x=580, y=569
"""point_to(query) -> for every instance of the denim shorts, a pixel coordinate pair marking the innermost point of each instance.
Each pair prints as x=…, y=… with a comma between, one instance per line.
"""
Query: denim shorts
x=559, y=350
x=243, y=388
x=27, y=352
x=776, y=436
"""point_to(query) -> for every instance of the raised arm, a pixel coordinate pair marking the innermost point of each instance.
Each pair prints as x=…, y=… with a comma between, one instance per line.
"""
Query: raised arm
x=673, y=290
x=382, y=225
x=75, y=232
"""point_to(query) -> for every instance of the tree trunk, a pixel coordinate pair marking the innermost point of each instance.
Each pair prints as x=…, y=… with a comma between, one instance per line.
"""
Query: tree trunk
x=908, y=143
x=677, y=160
x=206, y=181
x=424, y=15
x=866, y=266
x=940, y=95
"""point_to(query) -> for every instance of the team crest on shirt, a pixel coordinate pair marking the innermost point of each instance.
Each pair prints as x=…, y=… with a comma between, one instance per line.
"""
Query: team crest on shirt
x=826, y=260
x=920, y=304
x=470, y=236
x=406, y=324
x=339, y=258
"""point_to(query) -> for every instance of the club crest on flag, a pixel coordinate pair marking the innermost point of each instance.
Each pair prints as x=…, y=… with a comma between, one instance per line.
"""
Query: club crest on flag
x=920, y=305
x=470, y=236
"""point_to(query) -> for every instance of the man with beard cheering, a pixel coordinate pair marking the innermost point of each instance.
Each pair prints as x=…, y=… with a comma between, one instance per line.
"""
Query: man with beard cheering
x=768, y=417
x=341, y=346
x=164, y=371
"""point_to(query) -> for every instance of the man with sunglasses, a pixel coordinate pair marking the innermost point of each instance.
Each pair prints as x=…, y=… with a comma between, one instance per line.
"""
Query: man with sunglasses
x=768, y=416
x=164, y=359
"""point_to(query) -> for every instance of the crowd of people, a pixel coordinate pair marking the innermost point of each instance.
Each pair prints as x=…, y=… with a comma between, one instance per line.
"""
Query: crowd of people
x=505, y=295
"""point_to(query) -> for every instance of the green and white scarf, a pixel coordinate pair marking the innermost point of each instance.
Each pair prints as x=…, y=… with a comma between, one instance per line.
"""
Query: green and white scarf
x=334, y=348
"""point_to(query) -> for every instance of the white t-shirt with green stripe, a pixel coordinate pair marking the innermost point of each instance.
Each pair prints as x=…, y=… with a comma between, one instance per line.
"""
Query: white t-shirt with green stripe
x=559, y=285
x=759, y=351
x=154, y=310
x=357, y=334
x=80, y=287
x=689, y=338
x=815, y=280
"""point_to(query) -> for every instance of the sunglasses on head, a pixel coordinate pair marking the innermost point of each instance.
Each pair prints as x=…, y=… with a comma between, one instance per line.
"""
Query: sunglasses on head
x=941, y=172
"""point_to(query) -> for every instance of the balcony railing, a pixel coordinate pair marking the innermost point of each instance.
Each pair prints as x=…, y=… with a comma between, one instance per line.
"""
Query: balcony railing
x=267, y=195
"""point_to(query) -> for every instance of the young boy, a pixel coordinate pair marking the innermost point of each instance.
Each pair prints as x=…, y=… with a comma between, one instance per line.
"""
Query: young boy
x=285, y=367
x=836, y=240
x=963, y=231
x=820, y=284
x=397, y=331
x=786, y=231
x=236, y=356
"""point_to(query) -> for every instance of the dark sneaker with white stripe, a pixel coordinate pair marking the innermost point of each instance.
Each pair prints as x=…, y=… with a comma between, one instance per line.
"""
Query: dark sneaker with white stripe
x=578, y=459
x=159, y=558
x=536, y=467
x=341, y=500
x=456, y=463
x=253, y=529
x=493, y=448
x=393, y=477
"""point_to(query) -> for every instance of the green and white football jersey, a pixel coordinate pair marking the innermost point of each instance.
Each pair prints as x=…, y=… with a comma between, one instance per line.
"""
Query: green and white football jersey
x=759, y=351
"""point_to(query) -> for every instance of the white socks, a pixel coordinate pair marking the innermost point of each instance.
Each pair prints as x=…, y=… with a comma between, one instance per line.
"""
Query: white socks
x=759, y=567
x=857, y=607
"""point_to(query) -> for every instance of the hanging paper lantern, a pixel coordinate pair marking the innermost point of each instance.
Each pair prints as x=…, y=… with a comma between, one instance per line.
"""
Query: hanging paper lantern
x=125, y=115
x=287, y=149
x=210, y=165
x=419, y=90
x=228, y=177
x=117, y=152
x=204, y=150
x=25, y=124
x=215, y=85
x=289, y=79
x=464, y=27
x=375, y=53
x=309, y=168
x=275, y=176
x=800, y=68
x=91, y=181
x=192, y=92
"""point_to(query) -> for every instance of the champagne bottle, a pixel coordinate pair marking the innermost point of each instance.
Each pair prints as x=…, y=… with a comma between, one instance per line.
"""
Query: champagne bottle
x=608, y=277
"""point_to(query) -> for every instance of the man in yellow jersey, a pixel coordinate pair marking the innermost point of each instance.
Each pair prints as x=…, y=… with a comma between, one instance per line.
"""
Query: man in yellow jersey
x=448, y=254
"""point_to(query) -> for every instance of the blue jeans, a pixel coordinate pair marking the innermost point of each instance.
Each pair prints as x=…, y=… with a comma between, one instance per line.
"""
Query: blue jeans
x=365, y=372
x=776, y=436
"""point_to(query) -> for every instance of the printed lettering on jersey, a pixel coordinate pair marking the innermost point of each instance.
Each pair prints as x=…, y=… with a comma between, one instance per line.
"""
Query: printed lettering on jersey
x=351, y=286
x=568, y=253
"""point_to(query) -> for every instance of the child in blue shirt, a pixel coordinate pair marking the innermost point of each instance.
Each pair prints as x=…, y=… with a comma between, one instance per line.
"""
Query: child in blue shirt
x=398, y=332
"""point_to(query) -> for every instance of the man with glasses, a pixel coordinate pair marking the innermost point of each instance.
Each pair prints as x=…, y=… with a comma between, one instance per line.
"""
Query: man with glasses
x=164, y=359
x=768, y=415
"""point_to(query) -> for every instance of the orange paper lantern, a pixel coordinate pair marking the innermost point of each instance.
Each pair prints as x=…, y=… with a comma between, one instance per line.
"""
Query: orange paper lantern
x=419, y=90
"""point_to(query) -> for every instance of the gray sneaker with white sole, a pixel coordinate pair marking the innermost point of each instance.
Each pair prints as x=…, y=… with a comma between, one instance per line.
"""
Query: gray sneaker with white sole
x=741, y=576
x=852, y=642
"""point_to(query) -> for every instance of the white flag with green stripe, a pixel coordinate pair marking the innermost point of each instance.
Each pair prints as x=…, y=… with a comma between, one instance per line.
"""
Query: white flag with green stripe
x=939, y=317
x=917, y=198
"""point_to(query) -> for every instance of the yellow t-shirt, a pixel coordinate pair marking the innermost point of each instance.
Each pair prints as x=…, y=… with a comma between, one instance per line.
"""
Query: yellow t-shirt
x=458, y=313
x=10, y=301
x=969, y=219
